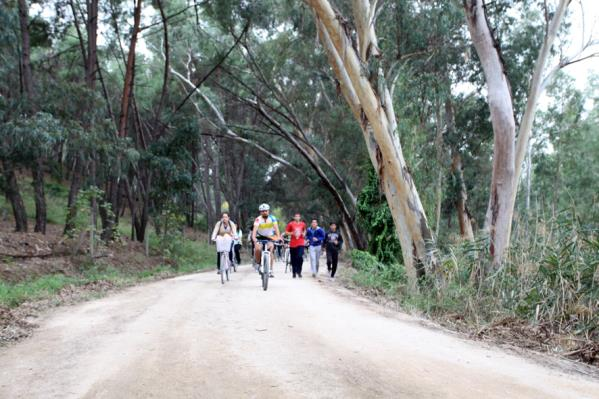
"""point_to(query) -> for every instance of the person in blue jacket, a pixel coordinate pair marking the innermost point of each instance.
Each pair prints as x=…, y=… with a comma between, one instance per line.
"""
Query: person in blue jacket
x=315, y=236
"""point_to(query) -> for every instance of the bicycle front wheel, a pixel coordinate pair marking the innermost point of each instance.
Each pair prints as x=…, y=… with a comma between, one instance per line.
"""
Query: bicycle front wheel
x=266, y=271
x=223, y=267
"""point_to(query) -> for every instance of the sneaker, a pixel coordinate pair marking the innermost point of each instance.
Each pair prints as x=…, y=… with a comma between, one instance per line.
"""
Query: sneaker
x=294, y=276
x=218, y=272
x=314, y=275
x=271, y=275
x=300, y=276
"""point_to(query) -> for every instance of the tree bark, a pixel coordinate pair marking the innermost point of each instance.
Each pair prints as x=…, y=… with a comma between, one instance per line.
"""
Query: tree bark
x=27, y=83
x=165, y=77
x=26, y=76
x=129, y=72
x=439, y=154
x=373, y=108
x=92, y=33
x=39, y=196
x=13, y=195
x=216, y=181
x=464, y=218
x=209, y=204
x=73, y=192
x=500, y=211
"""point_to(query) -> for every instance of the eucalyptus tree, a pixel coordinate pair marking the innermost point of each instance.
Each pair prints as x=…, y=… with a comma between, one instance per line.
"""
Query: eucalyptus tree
x=508, y=153
x=372, y=106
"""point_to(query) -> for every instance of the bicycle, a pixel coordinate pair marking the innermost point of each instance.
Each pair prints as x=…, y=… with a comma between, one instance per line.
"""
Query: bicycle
x=264, y=267
x=234, y=264
x=287, y=257
x=223, y=247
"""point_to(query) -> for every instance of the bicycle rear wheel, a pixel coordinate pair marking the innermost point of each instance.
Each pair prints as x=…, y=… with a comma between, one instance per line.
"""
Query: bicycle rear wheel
x=287, y=259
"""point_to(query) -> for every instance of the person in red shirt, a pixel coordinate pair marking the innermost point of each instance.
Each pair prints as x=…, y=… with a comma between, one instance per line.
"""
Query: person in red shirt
x=296, y=229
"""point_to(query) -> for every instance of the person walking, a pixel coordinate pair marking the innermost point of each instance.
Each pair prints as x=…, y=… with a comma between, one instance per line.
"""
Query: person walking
x=296, y=229
x=237, y=246
x=333, y=243
x=315, y=236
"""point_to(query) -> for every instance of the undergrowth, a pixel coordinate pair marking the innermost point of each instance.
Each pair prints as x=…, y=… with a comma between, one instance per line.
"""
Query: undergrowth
x=551, y=278
x=181, y=255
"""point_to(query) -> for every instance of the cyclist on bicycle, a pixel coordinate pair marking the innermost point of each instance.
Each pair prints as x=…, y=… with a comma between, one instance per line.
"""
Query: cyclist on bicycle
x=266, y=227
x=222, y=229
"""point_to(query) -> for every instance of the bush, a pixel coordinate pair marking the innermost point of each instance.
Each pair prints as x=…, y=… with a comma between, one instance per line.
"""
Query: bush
x=550, y=277
x=186, y=254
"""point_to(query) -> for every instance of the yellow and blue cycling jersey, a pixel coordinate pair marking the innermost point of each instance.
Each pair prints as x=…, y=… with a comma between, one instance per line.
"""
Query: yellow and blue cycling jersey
x=266, y=227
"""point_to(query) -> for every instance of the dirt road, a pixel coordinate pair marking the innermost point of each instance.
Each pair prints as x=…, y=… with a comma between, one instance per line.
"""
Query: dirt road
x=190, y=337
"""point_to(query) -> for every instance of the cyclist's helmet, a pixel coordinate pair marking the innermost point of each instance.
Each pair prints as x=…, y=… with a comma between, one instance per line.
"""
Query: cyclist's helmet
x=264, y=207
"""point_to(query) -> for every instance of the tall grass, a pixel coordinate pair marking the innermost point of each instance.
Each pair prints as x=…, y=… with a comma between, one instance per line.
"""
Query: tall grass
x=551, y=277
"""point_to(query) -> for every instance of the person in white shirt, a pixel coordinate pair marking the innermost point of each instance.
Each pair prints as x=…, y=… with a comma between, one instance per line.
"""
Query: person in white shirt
x=237, y=246
x=224, y=228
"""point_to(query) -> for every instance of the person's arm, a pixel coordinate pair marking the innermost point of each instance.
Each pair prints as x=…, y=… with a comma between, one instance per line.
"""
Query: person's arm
x=339, y=241
x=254, y=230
x=288, y=230
x=326, y=239
x=215, y=231
x=321, y=235
x=234, y=230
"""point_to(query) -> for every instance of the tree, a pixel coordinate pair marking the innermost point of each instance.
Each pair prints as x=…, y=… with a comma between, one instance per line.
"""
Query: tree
x=371, y=103
x=508, y=154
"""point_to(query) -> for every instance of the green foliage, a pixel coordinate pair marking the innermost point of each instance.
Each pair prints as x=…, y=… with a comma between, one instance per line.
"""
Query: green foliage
x=372, y=273
x=15, y=294
x=56, y=198
x=551, y=277
x=184, y=253
x=374, y=218
x=190, y=256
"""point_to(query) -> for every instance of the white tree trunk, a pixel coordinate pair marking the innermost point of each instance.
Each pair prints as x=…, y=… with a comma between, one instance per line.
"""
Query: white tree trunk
x=373, y=108
x=499, y=215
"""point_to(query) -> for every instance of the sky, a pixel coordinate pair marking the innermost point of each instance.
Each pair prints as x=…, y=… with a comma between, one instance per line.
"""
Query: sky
x=582, y=30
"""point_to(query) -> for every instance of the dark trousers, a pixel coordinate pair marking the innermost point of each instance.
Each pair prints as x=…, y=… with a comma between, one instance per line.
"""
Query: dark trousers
x=237, y=249
x=332, y=260
x=297, y=259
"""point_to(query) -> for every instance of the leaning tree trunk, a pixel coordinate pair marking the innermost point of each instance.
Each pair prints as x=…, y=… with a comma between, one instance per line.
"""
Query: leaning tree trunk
x=13, y=195
x=373, y=108
x=500, y=211
x=40, y=199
